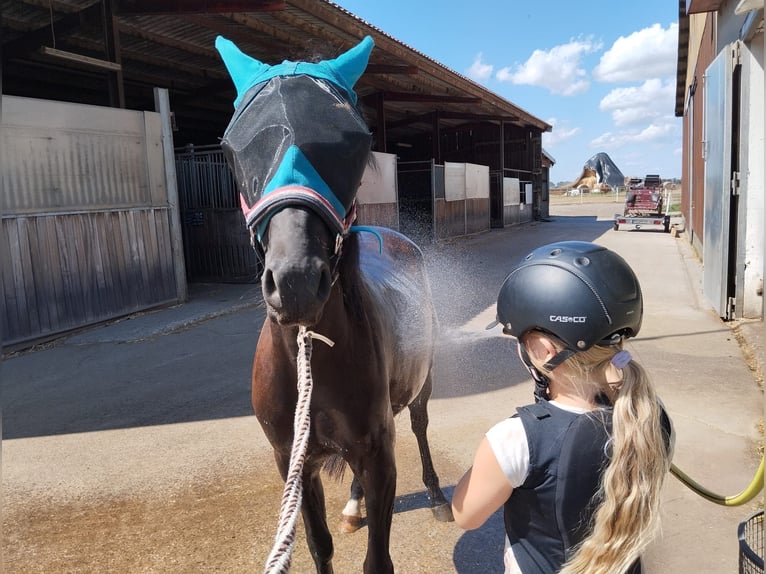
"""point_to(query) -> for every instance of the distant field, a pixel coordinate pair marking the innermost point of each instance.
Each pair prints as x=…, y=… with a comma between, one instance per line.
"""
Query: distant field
x=559, y=197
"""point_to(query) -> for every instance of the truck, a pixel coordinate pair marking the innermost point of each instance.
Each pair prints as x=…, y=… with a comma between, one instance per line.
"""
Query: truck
x=644, y=204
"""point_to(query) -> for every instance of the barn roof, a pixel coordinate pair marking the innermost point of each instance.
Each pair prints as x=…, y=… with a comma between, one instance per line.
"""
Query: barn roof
x=114, y=52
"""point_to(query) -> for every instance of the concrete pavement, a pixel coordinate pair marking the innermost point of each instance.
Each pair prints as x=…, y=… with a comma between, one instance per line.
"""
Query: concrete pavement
x=132, y=447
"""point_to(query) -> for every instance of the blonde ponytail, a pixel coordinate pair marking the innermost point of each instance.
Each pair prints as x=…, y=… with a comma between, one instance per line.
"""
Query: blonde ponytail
x=627, y=516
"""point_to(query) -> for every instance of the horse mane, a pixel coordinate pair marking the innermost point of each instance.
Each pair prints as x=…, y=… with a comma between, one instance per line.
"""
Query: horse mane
x=355, y=293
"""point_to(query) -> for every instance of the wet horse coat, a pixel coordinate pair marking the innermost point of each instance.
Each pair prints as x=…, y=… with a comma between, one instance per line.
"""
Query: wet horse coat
x=298, y=147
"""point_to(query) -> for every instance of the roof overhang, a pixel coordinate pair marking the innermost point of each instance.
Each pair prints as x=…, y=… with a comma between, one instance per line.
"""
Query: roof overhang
x=700, y=6
x=683, y=57
x=116, y=52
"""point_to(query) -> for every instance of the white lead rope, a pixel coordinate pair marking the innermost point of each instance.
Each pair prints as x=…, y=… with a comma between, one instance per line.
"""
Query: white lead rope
x=278, y=561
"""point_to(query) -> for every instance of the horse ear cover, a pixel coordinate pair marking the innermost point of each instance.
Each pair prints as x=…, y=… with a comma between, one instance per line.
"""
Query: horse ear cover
x=343, y=71
x=580, y=292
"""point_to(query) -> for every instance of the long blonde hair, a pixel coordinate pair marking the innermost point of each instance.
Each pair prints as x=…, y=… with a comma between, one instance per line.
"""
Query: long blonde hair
x=626, y=518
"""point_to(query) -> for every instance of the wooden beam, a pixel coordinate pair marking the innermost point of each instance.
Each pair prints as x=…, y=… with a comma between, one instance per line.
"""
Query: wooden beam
x=428, y=98
x=325, y=34
x=130, y=29
x=197, y=6
x=445, y=115
x=389, y=69
x=113, y=54
x=80, y=59
x=142, y=57
x=380, y=132
x=32, y=41
x=55, y=5
x=267, y=38
x=419, y=119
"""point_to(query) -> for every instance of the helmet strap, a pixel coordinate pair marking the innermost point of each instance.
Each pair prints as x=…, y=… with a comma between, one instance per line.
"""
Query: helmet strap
x=558, y=358
x=541, y=380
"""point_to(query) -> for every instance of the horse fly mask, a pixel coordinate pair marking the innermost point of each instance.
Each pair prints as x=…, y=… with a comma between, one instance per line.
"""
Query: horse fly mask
x=307, y=113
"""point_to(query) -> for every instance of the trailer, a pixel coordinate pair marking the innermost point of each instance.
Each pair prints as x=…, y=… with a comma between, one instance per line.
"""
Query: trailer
x=644, y=204
x=638, y=222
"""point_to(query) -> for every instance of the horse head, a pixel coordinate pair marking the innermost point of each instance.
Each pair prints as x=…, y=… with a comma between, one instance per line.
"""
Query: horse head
x=298, y=147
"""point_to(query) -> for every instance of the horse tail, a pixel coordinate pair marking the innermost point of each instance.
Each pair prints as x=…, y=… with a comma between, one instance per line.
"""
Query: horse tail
x=335, y=467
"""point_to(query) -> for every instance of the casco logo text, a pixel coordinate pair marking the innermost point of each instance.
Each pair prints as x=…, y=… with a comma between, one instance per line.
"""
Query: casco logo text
x=566, y=319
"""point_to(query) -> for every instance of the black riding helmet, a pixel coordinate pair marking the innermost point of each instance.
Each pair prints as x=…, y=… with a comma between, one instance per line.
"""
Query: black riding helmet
x=580, y=292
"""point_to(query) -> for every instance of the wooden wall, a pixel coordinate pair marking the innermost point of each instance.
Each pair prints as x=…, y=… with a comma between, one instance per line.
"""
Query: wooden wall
x=62, y=272
x=381, y=214
x=85, y=225
x=464, y=207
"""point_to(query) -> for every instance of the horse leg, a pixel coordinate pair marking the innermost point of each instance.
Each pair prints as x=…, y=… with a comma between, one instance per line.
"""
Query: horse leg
x=376, y=470
x=315, y=522
x=351, y=518
x=318, y=535
x=441, y=509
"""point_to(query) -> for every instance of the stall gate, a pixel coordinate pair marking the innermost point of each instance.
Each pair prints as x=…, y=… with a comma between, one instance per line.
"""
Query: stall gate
x=438, y=202
x=216, y=242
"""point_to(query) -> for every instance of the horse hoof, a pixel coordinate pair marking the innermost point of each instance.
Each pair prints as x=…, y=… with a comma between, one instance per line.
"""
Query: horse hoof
x=443, y=513
x=350, y=524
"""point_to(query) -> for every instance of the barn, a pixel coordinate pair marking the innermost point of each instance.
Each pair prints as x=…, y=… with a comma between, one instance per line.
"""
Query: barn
x=719, y=95
x=114, y=194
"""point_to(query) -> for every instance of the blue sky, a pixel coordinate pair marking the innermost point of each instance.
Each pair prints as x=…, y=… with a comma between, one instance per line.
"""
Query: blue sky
x=602, y=72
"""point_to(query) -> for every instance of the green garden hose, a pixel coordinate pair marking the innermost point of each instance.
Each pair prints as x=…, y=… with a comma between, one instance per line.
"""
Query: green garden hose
x=756, y=485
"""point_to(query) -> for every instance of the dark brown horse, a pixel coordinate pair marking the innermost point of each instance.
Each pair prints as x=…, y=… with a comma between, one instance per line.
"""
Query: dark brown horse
x=299, y=147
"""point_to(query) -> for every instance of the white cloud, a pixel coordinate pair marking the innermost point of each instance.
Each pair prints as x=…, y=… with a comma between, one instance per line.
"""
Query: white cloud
x=479, y=71
x=648, y=53
x=559, y=134
x=558, y=70
x=655, y=132
x=629, y=106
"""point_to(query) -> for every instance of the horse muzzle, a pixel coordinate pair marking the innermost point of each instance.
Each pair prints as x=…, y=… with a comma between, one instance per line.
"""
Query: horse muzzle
x=297, y=275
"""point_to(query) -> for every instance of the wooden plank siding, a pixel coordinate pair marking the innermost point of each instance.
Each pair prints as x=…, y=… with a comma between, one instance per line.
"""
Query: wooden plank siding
x=461, y=217
x=381, y=214
x=449, y=218
x=72, y=270
x=476, y=215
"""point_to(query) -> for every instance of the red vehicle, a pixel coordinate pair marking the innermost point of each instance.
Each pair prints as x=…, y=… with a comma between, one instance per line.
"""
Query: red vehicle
x=644, y=204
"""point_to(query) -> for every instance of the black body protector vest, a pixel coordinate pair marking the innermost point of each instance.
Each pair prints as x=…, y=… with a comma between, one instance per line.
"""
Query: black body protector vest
x=550, y=514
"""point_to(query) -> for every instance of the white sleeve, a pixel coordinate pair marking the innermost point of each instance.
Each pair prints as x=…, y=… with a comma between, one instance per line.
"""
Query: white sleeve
x=508, y=440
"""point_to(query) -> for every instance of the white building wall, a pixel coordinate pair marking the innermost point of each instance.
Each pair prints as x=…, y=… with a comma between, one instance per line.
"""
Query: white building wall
x=752, y=176
x=728, y=25
x=378, y=183
x=751, y=257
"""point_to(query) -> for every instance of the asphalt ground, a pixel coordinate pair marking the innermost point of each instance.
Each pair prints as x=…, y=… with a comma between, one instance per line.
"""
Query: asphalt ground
x=132, y=447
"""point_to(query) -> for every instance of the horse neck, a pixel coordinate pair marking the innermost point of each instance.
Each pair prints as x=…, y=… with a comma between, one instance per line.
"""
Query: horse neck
x=346, y=308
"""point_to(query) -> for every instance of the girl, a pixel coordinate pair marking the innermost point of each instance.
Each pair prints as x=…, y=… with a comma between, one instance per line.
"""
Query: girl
x=579, y=472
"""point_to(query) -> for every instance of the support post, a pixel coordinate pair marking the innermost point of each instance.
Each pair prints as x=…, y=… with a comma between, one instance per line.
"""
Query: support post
x=162, y=105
